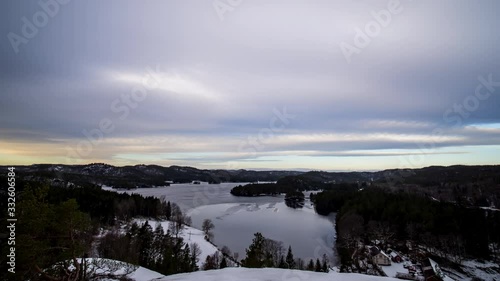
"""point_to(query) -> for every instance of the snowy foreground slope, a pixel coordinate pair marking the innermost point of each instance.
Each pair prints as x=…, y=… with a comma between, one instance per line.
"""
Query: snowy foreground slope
x=269, y=274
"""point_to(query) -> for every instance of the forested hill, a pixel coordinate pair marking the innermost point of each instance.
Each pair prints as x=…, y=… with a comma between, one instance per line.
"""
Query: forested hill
x=465, y=185
x=462, y=179
x=140, y=175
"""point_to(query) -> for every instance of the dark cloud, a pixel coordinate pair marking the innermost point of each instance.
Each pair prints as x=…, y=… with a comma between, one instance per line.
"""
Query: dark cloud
x=223, y=80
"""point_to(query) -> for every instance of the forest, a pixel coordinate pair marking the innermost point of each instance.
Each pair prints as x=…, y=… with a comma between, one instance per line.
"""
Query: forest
x=444, y=228
x=57, y=226
x=284, y=185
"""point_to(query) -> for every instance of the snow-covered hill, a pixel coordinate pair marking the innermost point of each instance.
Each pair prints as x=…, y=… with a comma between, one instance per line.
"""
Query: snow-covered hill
x=269, y=274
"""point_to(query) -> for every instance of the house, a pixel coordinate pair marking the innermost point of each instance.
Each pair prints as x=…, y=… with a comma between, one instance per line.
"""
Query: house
x=396, y=257
x=432, y=272
x=379, y=257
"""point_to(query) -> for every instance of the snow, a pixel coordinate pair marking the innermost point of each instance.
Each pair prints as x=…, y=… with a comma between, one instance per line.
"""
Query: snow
x=391, y=270
x=190, y=235
x=107, y=188
x=439, y=272
x=117, y=268
x=385, y=255
x=268, y=274
x=144, y=274
x=485, y=270
x=490, y=208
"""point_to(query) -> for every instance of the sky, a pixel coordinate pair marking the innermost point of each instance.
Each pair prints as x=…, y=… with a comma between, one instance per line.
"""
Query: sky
x=250, y=84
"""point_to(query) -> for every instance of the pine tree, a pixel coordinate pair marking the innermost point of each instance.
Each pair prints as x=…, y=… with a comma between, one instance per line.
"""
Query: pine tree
x=255, y=252
x=324, y=265
x=186, y=263
x=209, y=263
x=145, y=244
x=282, y=263
x=167, y=264
x=223, y=263
x=317, y=268
x=289, y=258
x=168, y=211
x=310, y=265
x=157, y=242
x=133, y=230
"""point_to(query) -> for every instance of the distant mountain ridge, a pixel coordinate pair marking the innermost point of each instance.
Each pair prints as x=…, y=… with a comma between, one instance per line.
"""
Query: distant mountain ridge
x=155, y=175
x=141, y=175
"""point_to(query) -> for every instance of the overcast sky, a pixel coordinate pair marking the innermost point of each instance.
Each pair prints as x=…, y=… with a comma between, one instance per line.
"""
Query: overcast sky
x=284, y=84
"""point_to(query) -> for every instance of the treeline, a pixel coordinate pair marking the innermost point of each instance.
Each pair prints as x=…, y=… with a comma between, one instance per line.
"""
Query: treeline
x=140, y=175
x=102, y=205
x=288, y=184
x=264, y=252
x=106, y=206
x=446, y=229
x=253, y=189
x=155, y=249
x=333, y=199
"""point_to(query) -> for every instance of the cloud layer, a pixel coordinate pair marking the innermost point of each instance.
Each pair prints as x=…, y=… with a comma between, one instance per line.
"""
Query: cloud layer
x=256, y=85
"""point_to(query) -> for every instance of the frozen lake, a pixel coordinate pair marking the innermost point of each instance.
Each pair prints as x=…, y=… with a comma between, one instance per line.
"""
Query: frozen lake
x=236, y=219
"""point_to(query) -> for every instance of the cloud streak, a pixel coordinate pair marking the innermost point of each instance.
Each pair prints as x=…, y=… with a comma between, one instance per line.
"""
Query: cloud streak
x=221, y=80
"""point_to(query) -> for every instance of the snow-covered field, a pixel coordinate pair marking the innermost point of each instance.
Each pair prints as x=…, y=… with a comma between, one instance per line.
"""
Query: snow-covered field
x=190, y=235
x=228, y=274
x=269, y=274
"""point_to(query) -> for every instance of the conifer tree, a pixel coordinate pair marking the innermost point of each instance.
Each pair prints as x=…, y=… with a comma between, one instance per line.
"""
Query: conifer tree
x=289, y=258
x=223, y=263
x=317, y=268
x=255, y=253
x=282, y=263
x=310, y=265
x=324, y=265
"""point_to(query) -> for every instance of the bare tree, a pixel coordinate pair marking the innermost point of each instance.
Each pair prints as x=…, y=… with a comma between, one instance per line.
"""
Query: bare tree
x=381, y=231
x=99, y=269
x=187, y=220
x=274, y=248
x=350, y=230
x=236, y=256
x=174, y=228
x=226, y=251
x=207, y=227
